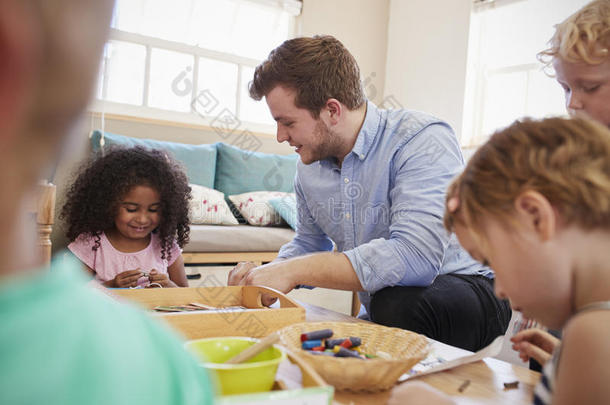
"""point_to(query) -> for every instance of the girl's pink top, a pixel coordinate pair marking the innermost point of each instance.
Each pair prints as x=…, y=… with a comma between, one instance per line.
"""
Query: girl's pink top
x=107, y=261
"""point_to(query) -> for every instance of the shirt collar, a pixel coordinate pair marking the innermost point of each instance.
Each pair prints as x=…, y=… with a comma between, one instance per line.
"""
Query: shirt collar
x=365, y=138
x=368, y=132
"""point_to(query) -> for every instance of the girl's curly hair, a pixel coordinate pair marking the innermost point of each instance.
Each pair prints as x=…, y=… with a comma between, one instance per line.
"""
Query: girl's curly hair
x=92, y=201
x=582, y=37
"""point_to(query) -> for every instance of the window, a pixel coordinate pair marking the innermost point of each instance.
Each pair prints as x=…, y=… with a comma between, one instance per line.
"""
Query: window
x=504, y=79
x=191, y=60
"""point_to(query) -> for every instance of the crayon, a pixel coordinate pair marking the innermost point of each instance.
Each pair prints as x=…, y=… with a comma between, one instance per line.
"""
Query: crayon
x=464, y=385
x=324, y=353
x=310, y=344
x=383, y=355
x=316, y=335
x=343, y=352
x=347, y=343
x=511, y=385
x=356, y=341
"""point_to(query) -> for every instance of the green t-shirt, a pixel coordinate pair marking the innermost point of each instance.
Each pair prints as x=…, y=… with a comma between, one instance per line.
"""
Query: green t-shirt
x=62, y=342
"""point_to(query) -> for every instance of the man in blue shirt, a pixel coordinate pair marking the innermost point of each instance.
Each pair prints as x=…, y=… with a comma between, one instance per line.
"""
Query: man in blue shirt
x=371, y=183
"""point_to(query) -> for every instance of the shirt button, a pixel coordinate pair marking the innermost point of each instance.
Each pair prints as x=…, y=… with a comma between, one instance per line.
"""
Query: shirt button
x=347, y=215
x=346, y=180
x=361, y=156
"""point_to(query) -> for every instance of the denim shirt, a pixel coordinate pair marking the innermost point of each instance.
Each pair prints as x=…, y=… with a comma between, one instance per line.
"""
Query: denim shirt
x=383, y=208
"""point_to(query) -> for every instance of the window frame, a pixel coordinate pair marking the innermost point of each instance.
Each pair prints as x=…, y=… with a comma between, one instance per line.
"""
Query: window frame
x=478, y=135
x=479, y=73
x=143, y=111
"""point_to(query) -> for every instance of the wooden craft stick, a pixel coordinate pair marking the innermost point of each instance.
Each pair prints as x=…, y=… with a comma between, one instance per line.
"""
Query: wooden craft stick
x=162, y=308
x=254, y=349
x=202, y=306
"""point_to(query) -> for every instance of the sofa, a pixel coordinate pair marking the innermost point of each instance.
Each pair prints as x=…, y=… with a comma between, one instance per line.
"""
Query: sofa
x=218, y=168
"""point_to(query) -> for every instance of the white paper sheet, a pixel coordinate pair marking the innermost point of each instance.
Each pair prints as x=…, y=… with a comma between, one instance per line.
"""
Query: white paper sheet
x=443, y=357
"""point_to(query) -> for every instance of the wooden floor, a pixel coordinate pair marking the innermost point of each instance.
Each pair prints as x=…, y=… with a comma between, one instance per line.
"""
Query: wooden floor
x=228, y=257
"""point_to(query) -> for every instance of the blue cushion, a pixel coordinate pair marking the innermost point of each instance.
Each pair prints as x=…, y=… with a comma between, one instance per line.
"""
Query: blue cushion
x=198, y=160
x=287, y=208
x=241, y=171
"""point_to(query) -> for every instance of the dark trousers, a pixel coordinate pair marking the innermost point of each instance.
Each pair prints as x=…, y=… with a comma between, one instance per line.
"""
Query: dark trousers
x=456, y=309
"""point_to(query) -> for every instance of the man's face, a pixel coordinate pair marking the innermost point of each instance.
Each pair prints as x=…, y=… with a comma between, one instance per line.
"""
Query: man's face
x=586, y=87
x=312, y=138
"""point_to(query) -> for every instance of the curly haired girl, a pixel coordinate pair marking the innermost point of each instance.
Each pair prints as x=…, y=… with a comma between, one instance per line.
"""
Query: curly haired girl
x=127, y=218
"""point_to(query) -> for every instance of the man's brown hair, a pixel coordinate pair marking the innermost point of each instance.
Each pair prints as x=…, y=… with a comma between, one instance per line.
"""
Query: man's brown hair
x=317, y=68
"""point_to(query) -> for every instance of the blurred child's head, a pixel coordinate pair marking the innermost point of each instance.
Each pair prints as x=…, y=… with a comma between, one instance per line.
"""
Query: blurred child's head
x=579, y=53
x=133, y=191
x=521, y=196
x=50, y=56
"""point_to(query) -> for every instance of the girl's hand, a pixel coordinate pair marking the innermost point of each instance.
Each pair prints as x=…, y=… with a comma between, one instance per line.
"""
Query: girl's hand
x=417, y=392
x=125, y=279
x=161, y=278
x=535, y=343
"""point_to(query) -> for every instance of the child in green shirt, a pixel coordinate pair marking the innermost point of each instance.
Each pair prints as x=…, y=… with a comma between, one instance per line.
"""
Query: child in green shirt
x=61, y=342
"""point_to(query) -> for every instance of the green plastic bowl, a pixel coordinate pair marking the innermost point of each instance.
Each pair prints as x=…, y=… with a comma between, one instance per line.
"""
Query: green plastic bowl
x=254, y=375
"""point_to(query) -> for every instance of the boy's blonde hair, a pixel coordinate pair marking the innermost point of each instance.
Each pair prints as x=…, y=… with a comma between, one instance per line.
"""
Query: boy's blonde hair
x=582, y=37
x=566, y=160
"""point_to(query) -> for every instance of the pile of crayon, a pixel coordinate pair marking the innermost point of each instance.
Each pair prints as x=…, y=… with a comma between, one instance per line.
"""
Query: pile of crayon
x=319, y=342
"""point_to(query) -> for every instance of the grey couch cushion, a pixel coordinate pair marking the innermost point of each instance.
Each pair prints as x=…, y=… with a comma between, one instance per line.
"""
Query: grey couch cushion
x=240, y=238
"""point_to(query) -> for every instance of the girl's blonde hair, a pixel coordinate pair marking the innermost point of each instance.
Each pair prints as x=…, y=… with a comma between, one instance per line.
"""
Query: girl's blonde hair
x=582, y=37
x=566, y=160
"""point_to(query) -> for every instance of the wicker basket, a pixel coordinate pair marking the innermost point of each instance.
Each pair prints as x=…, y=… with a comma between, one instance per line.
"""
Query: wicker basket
x=405, y=348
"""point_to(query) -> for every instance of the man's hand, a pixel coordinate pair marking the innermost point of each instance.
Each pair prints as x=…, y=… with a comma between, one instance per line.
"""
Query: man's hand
x=323, y=269
x=239, y=273
x=274, y=275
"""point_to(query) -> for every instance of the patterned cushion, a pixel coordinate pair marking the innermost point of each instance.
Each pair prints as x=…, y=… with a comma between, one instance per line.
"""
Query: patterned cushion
x=254, y=207
x=208, y=206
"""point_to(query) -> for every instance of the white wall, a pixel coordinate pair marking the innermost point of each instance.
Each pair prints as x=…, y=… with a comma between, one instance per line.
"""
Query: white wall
x=362, y=27
x=426, y=57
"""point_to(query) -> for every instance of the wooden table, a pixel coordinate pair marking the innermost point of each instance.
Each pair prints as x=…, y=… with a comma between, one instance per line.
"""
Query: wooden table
x=486, y=377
